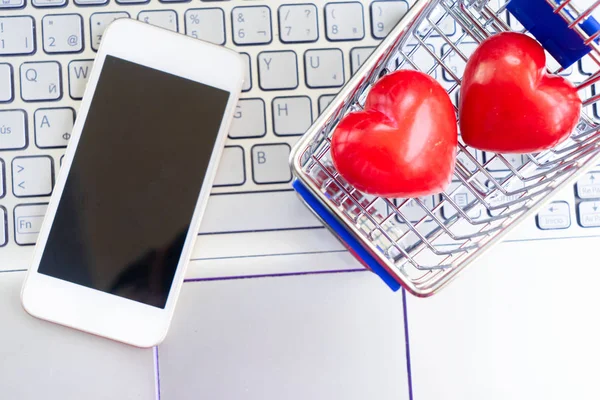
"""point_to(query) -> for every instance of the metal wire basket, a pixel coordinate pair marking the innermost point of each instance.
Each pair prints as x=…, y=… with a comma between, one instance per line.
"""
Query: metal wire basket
x=422, y=244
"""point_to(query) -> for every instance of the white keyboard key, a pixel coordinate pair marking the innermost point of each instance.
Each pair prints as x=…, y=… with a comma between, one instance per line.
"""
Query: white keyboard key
x=454, y=61
x=2, y=180
x=462, y=198
x=498, y=197
x=99, y=22
x=324, y=101
x=132, y=1
x=291, y=115
x=28, y=221
x=421, y=58
x=16, y=35
x=251, y=25
x=40, y=81
x=554, y=66
x=90, y=2
x=496, y=164
x=3, y=232
x=49, y=3
x=555, y=215
x=79, y=71
x=53, y=126
x=231, y=170
x=12, y=3
x=247, y=72
x=344, y=21
x=249, y=119
x=588, y=187
x=6, y=85
x=466, y=162
x=13, y=134
x=358, y=56
x=207, y=24
x=270, y=211
x=442, y=19
x=270, y=163
x=413, y=210
x=62, y=33
x=515, y=24
x=277, y=70
x=32, y=176
x=589, y=214
x=385, y=15
x=166, y=19
x=298, y=23
x=588, y=66
x=324, y=68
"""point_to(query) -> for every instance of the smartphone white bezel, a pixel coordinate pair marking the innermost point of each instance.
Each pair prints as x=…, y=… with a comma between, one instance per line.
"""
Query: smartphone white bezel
x=91, y=310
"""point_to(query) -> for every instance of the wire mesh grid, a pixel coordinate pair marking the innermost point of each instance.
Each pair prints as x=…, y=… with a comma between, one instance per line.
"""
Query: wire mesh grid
x=425, y=242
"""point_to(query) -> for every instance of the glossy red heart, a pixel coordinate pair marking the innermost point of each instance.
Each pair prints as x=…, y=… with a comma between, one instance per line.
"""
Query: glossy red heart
x=404, y=142
x=509, y=103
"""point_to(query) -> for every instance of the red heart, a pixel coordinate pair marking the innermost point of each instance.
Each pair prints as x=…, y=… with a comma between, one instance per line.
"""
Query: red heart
x=404, y=142
x=508, y=101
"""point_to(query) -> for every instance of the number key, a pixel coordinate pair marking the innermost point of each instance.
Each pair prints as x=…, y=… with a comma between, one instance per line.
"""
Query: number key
x=206, y=23
x=16, y=35
x=166, y=19
x=344, y=21
x=62, y=33
x=298, y=23
x=385, y=15
x=99, y=22
x=251, y=25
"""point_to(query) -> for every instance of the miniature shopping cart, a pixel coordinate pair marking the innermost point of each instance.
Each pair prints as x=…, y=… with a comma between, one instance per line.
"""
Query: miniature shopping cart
x=422, y=244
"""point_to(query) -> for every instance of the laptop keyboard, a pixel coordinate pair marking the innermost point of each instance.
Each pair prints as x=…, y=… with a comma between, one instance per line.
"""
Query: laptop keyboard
x=298, y=54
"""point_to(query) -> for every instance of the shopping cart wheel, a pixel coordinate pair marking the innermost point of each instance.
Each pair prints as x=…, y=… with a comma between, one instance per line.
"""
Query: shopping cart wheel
x=345, y=236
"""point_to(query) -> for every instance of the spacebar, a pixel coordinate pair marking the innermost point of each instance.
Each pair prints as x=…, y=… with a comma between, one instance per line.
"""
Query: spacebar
x=264, y=211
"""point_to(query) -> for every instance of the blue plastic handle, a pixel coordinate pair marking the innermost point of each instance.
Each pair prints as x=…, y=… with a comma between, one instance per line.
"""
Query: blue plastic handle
x=552, y=31
x=343, y=234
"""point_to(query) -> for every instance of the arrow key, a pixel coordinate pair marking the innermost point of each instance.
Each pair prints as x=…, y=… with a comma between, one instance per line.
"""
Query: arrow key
x=589, y=214
x=555, y=215
x=588, y=187
x=32, y=176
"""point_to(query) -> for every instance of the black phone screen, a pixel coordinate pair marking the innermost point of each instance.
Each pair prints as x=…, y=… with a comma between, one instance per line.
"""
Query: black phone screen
x=134, y=182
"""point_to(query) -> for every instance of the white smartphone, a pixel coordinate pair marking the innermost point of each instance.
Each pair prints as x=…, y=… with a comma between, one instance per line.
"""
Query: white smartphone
x=135, y=180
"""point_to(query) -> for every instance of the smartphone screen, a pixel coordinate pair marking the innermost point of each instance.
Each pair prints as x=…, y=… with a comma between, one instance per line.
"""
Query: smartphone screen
x=133, y=186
